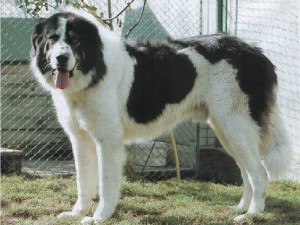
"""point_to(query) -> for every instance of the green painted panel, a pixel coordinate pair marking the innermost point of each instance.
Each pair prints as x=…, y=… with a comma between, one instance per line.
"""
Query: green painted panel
x=221, y=15
x=148, y=28
x=15, y=38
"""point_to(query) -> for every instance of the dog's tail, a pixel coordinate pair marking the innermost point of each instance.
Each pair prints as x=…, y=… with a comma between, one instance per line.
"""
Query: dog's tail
x=276, y=147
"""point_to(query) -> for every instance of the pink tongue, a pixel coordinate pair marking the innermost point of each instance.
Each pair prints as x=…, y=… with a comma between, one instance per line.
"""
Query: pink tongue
x=61, y=79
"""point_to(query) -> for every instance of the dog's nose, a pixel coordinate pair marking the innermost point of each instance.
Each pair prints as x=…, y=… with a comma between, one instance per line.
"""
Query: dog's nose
x=62, y=59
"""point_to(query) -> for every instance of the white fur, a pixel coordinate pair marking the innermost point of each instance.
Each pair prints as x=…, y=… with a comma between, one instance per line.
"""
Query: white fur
x=98, y=124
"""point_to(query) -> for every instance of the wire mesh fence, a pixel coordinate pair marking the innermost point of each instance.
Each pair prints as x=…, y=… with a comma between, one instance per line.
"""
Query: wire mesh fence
x=28, y=116
x=28, y=120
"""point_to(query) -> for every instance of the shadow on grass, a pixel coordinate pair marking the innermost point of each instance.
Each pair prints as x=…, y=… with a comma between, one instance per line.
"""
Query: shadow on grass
x=179, y=220
x=167, y=220
x=279, y=211
x=216, y=198
x=136, y=210
x=209, y=192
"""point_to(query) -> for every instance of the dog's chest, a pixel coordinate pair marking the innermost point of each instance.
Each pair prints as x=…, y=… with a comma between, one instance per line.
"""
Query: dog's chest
x=80, y=119
x=83, y=115
x=74, y=111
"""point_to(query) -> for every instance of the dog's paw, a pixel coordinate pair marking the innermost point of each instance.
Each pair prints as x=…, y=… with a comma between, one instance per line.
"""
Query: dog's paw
x=90, y=220
x=240, y=220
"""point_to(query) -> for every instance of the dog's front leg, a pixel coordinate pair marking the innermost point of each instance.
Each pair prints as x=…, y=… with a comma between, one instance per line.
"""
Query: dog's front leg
x=86, y=164
x=110, y=160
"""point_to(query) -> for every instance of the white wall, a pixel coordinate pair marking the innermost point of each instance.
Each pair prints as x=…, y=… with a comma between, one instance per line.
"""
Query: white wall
x=274, y=26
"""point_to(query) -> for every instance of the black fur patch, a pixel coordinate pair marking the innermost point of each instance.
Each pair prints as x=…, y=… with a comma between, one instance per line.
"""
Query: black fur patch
x=41, y=42
x=86, y=44
x=161, y=77
x=256, y=73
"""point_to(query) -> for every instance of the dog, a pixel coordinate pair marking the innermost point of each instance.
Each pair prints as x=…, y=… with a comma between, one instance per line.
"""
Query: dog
x=109, y=92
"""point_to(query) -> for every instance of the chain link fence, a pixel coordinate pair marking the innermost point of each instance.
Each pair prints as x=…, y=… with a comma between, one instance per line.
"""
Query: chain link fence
x=28, y=116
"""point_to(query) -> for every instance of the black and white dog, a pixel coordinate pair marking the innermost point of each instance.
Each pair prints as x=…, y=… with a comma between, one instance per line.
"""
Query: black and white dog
x=108, y=92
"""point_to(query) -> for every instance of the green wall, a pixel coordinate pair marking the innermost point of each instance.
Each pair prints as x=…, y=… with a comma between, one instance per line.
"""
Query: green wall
x=15, y=38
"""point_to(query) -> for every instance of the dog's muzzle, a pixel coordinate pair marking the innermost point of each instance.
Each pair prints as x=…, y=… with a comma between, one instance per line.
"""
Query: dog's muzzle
x=61, y=75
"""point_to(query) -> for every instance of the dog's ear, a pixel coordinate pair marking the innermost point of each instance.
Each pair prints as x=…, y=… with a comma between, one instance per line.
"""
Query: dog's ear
x=36, y=38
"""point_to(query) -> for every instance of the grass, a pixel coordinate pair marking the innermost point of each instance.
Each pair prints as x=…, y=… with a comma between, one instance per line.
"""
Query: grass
x=39, y=200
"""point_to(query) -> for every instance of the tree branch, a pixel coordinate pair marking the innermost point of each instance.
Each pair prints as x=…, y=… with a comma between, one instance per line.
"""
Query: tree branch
x=114, y=17
x=92, y=10
x=109, y=14
x=138, y=21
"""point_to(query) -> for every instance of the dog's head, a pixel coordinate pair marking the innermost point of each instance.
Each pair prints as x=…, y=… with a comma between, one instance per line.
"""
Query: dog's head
x=67, y=52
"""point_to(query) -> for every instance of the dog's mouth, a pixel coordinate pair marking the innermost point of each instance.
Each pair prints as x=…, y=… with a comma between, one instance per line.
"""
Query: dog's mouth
x=62, y=77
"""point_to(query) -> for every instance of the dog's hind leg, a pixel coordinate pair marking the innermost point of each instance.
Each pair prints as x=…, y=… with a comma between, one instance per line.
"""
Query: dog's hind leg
x=240, y=135
x=247, y=190
x=245, y=201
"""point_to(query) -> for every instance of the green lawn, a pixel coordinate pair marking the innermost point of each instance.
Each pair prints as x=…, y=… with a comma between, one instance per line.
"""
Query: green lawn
x=39, y=200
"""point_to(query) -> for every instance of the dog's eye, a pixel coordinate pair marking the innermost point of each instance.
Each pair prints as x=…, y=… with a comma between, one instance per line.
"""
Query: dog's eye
x=54, y=37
